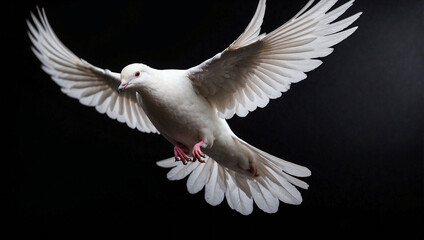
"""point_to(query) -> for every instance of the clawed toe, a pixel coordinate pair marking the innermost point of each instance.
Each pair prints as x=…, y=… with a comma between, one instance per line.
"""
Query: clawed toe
x=197, y=153
x=180, y=154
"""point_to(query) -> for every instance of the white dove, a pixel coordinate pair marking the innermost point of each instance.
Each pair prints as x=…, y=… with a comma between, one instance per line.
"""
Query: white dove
x=190, y=107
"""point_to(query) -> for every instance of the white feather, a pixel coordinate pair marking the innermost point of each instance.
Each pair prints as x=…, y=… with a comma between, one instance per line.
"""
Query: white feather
x=81, y=80
x=198, y=177
x=292, y=48
x=215, y=187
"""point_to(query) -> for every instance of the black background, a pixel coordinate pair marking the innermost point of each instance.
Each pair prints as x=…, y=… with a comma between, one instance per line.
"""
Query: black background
x=357, y=122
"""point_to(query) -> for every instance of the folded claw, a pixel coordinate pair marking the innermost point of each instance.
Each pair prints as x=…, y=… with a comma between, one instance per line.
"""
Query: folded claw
x=180, y=154
x=181, y=151
x=197, y=153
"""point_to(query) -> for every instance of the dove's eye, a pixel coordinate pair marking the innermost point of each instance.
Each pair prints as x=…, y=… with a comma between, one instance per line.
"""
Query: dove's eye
x=137, y=74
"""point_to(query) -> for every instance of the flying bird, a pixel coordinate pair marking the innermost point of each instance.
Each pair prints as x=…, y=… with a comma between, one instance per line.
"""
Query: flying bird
x=190, y=107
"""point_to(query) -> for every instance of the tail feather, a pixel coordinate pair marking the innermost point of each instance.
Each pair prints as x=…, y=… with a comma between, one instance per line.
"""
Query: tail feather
x=288, y=167
x=285, y=191
x=274, y=184
x=264, y=199
x=215, y=186
x=238, y=198
x=199, y=177
x=179, y=170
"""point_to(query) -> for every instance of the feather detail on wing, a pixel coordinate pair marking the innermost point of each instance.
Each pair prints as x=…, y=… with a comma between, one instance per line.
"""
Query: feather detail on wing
x=79, y=79
x=256, y=68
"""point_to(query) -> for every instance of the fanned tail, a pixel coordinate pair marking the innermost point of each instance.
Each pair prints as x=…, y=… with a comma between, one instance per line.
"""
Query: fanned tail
x=275, y=183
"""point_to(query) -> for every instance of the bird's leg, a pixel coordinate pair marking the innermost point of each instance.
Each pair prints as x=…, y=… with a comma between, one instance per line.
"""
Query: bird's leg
x=197, y=153
x=180, y=153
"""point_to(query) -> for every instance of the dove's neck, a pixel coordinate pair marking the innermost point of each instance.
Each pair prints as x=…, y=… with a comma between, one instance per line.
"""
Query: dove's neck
x=164, y=97
x=165, y=83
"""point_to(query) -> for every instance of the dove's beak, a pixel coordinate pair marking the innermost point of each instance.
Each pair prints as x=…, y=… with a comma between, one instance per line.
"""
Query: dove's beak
x=122, y=86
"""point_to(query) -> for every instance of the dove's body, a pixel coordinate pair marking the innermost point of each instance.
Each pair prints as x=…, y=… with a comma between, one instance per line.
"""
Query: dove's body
x=185, y=117
x=190, y=107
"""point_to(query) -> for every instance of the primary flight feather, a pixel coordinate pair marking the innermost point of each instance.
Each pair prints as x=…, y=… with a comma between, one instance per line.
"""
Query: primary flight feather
x=189, y=107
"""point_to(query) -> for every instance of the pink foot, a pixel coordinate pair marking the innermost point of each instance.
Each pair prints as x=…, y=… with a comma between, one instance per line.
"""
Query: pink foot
x=180, y=153
x=197, y=153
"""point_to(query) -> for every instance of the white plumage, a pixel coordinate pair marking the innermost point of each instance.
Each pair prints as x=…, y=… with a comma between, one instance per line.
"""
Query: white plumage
x=189, y=107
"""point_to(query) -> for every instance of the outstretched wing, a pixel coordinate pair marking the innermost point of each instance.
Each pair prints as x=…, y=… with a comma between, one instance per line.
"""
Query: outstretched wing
x=79, y=79
x=256, y=68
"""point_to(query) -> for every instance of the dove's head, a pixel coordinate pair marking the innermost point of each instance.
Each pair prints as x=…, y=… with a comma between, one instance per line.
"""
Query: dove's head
x=135, y=76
